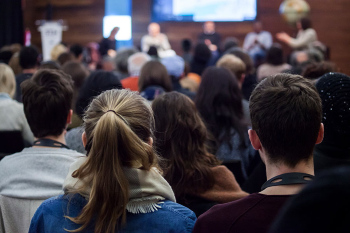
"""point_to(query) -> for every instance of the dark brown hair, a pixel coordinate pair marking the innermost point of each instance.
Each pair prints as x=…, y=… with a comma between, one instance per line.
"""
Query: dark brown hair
x=286, y=113
x=47, y=99
x=305, y=23
x=154, y=73
x=181, y=138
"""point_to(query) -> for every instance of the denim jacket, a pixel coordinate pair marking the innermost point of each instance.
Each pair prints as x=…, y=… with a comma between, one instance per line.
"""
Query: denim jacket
x=171, y=217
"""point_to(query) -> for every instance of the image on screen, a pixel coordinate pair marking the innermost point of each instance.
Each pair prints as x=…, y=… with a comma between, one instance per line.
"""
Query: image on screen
x=203, y=10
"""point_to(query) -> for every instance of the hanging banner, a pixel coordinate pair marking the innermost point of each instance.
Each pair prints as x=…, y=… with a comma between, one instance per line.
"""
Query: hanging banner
x=51, y=35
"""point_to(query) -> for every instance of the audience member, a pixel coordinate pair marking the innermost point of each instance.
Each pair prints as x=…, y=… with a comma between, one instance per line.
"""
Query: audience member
x=154, y=80
x=50, y=65
x=121, y=61
x=57, y=50
x=256, y=43
x=201, y=57
x=5, y=56
x=65, y=57
x=11, y=112
x=186, y=45
x=108, y=64
x=187, y=82
x=155, y=38
x=230, y=42
x=322, y=206
x=108, y=45
x=14, y=64
x=194, y=174
x=118, y=186
x=274, y=63
x=77, y=50
x=175, y=66
x=209, y=36
x=334, y=149
x=93, y=56
x=38, y=172
x=135, y=64
x=238, y=68
x=219, y=102
x=29, y=61
x=285, y=140
x=306, y=35
x=315, y=70
x=95, y=84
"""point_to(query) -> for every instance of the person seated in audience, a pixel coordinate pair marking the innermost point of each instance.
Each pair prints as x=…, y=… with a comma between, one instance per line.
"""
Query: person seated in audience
x=334, y=150
x=121, y=62
x=187, y=82
x=274, y=63
x=118, y=187
x=50, y=65
x=175, y=66
x=135, y=63
x=108, y=64
x=238, y=68
x=108, y=45
x=201, y=57
x=250, y=80
x=57, y=50
x=93, y=57
x=155, y=38
x=195, y=175
x=12, y=117
x=14, y=64
x=77, y=50
x=186, y=46
x=38, y=172
x=306, y=35
x=219, y=102
x=322, y=206
x=29, y=61
x=230, y=42
x=79, y=73
x=65, y=57
x=154, y=80
x=256, y=43
x=315, y=70
x=209, y=36
x=95, y=83
x=285, y=140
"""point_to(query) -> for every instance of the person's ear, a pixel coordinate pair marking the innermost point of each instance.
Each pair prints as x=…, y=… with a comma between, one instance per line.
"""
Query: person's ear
x=320, y=134
x=254, y=139
x=150, y=141
x=83, y=138
x=69, y=117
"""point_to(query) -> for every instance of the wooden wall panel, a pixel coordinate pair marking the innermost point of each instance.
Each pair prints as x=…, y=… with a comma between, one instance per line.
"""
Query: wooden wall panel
x=84, y=18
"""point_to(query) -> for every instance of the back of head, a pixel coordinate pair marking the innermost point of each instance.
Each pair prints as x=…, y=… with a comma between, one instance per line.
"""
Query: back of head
x=154, y=73
x=47, y=99
x=121, y=60
x=76, y=49
x=65, y=57
x=181, y=138
x=77, y=71
x=201, y=53
x=175, y=65
x=230, y=42
x=305, y=23
x=50, y=65
x=286, y=114
x=135, y=63
x=28, y=57
x=95, y=84
x=322, y=206
x=233, y=64
x=240, y=53
x=315, y=70
x=57, y=50
x=219, y=101
x=118, y=127
x=7, y=80
x=186, y=45
x=275, y=55
x=333, y=89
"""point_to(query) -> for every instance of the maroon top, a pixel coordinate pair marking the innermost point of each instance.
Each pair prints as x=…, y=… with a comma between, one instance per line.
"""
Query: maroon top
x=253, y=213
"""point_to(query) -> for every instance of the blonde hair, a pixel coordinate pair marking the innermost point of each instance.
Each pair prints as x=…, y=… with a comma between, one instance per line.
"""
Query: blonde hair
x=57, y=50
x=7, y=80
x=233, y=64
x=118, y=127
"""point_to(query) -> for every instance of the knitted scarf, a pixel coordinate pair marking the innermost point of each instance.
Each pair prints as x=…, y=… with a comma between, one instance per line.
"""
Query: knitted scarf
x=147, y=189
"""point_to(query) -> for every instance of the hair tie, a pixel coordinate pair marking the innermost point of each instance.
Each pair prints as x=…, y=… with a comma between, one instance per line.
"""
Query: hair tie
x=120, y=116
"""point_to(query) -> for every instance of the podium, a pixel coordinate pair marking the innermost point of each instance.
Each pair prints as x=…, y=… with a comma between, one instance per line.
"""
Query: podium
x=51, y=35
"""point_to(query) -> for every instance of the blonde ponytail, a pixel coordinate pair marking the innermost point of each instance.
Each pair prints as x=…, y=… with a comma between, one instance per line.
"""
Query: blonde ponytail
x=118, y=125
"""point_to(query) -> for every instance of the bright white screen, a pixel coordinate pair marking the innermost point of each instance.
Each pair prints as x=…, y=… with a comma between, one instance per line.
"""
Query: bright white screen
x=121, y=21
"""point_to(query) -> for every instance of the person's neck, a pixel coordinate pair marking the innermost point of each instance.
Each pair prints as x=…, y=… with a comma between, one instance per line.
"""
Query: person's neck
x=273, y=169
x=61, y=138
x=29, y=71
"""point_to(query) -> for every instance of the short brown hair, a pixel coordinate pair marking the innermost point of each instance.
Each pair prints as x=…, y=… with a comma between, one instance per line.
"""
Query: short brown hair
x=286, y=113
x=233, y=64
x=47, y=99
x=154, y=73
